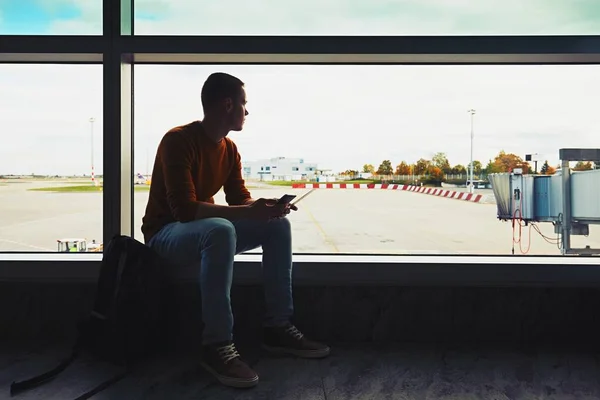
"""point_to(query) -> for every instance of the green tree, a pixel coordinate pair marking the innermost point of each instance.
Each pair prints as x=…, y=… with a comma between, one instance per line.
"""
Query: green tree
x=368, y=168
x=441, y=161
x=477, y=167
x=458, y=169
x=385, y=168
x=545, y=167
x=421, y=166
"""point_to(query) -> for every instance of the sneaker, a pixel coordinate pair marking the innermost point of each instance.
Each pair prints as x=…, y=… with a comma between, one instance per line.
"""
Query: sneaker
x=223, y=361
x=289, y=340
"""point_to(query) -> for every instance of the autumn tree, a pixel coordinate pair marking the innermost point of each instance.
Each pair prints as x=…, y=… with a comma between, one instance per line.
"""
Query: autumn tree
x=441, y=161
x=350, y=172
x=583, y=166
x=434, y=176
x=402, y=169
x=385, y=168
x=492, y=168
x=421, y=166
x=435, y=173
x=368, y=168
x=506, y=162
x=547, y=169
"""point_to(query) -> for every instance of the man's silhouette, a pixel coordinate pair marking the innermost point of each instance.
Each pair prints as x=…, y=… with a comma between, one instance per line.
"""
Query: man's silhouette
x=183, y=224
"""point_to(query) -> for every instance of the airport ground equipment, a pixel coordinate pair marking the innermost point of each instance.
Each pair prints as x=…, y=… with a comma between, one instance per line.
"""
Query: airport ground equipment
x=570, y=200
x=76, y=245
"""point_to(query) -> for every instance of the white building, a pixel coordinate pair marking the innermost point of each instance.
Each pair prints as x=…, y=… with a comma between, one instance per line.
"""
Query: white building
x=279, y=169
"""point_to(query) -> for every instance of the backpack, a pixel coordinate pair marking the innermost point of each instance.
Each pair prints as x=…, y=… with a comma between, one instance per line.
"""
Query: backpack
x=127, y=323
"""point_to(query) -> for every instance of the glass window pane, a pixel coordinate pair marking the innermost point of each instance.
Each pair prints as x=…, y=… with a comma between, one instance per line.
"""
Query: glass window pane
x=310, y=124
x=50, y=17
x=367, y=17
x=48, y=200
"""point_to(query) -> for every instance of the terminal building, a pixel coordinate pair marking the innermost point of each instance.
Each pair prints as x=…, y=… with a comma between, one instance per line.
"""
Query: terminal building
x=279, y=169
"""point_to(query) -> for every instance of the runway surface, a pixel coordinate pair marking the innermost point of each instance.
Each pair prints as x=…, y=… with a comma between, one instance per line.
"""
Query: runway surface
x=328, y=221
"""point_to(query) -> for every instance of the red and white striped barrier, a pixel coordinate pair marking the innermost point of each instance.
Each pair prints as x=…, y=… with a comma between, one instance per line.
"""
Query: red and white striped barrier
x=472, y=197
x=387, y=186
x=451, y=194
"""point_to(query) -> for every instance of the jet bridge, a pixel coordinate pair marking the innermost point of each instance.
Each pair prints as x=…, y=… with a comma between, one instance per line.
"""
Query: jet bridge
x=570, y=200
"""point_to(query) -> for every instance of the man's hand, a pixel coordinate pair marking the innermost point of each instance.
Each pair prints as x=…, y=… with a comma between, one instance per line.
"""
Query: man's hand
x=265, y=209
x=288, y=208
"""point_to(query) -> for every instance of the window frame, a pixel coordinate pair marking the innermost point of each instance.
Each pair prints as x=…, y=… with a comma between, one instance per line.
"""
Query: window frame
x=117, y=49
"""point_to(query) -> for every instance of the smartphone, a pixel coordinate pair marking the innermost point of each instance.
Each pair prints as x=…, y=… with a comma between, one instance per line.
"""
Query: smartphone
x=286, y=198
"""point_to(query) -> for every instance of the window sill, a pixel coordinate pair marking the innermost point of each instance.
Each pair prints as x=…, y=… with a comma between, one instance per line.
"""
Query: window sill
x=323, y=269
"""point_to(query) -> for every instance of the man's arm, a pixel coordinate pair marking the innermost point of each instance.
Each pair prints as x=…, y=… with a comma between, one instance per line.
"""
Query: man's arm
x=176, y=157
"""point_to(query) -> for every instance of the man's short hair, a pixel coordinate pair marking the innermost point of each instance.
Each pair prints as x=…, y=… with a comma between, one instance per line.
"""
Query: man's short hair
x=219, y=86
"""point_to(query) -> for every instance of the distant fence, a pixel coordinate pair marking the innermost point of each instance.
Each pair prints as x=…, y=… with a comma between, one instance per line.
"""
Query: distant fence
x=390, y=178
x=416, y=177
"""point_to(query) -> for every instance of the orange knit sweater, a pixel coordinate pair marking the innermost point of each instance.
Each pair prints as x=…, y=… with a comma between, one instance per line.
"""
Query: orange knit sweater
x=191, y=168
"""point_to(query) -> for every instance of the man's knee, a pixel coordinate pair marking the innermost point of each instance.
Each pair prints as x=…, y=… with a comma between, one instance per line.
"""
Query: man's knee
x=280, y=226
x=219, y=229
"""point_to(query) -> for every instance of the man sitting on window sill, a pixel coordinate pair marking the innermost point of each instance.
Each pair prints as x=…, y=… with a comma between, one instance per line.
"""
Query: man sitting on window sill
x=184, y=225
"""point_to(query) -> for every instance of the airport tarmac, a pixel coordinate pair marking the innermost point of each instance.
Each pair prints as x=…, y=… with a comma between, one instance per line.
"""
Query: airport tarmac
x=328, y=221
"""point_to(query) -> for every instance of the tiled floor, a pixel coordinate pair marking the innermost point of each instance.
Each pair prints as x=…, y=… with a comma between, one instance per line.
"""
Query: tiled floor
x=352, y=372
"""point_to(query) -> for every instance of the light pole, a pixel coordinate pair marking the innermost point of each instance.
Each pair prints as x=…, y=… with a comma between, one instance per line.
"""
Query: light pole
x=92, y=148
x=472, y=112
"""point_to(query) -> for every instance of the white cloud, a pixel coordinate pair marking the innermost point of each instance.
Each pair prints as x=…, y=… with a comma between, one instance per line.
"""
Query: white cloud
x=89, y=22
x=360, y=17
x=344, y=17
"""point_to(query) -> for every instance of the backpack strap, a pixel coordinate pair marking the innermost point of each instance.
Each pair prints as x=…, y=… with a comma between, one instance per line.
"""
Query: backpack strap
x=17, y=387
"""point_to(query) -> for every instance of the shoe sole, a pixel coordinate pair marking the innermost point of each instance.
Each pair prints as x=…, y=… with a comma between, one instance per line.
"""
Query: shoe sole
x=239, y=383
x=320, y=353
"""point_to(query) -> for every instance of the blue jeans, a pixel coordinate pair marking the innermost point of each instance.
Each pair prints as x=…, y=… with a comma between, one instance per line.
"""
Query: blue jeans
x=211, y=244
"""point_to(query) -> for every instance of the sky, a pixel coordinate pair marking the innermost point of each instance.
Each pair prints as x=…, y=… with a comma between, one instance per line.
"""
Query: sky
x=311, y=17
x=340, y=117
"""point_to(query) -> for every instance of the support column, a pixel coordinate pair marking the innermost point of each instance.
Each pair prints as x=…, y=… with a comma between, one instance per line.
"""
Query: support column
x=118, y=121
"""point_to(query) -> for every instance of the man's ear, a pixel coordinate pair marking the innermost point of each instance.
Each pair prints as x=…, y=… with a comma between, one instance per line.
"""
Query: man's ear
x=228, y=104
